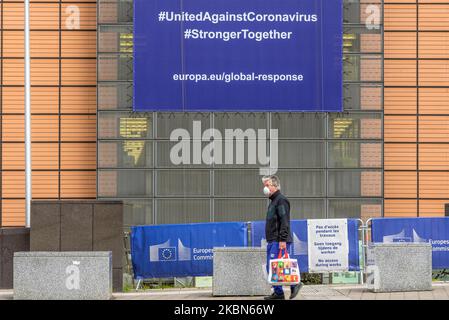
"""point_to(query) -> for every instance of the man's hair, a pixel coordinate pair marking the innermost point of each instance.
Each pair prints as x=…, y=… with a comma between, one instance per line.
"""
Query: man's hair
x=275, y=181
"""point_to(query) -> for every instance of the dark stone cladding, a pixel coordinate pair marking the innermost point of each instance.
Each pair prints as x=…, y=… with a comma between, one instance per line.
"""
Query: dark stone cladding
x=80, y=225
x=11, y=240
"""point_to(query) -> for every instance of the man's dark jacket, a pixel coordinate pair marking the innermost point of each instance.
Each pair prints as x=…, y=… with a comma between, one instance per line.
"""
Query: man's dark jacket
x=277, y=227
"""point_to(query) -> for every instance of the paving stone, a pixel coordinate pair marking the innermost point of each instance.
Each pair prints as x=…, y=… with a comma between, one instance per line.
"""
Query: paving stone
x=355, y=294
x=397, y=296
x=440, y=294
x=368, y=296
x=411, y=295
x=383, y=296
x=339, y=298
x=425, y=295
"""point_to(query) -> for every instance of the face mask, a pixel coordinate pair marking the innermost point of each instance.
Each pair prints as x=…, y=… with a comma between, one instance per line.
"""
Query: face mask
x=266, y=191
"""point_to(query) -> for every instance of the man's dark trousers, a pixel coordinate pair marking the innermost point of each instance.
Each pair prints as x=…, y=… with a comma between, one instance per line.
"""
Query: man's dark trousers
x=273, y=253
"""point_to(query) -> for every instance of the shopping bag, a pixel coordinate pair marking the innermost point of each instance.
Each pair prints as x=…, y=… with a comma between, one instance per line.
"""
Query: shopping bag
x=283, y=271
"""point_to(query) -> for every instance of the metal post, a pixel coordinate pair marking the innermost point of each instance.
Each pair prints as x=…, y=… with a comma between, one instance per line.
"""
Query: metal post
x=138, y=284
x=362, y=229
x=249, y=242
x=366, y=244
x=27, y=114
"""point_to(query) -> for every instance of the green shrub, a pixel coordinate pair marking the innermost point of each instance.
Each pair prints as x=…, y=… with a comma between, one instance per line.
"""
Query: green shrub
x=311, y=278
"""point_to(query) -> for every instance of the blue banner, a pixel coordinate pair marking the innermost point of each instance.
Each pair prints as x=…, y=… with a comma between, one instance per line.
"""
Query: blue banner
x=181, y=250
x=300, y=242
x=233, y=55
x=432, y=230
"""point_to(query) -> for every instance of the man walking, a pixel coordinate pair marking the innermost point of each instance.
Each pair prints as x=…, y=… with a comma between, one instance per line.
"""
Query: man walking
x=277, y=230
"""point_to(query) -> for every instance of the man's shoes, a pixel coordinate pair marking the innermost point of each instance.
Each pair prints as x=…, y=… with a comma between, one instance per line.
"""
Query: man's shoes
x=275, y=296
x=295, y=290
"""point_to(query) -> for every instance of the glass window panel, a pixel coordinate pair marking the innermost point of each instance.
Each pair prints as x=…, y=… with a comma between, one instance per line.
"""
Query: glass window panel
x=115, y=39
x=118, y=67
x=361, y=40
x=240, y=209
x=249, y=158
x=344, y=183
x=171, y=211
x=302, y=183
x=167, y=122
x=350, y=208
x=255, y=209
x=125, y=183
x=358, y=96
x=137, y=212
x=307, y=209
x=351, y=11
x=355, y=126
x=164, y=155
x=354, y=154
x=299, y=125
x=361, y=12
x=344, y=154
x=115, y=11
x=124, y=125
x=183, y=182
x=355, y=183
x=112, y=96
x=301, y=154
x=243, y=121
x=238, y=183
x=362, y=67
x=125, y=154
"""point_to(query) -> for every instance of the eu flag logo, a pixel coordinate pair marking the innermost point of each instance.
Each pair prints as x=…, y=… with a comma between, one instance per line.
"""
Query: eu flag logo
x=167, y=254
x=402, y=239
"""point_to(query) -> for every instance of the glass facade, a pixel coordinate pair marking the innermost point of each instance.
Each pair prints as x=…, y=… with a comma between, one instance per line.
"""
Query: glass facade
x=330, y=164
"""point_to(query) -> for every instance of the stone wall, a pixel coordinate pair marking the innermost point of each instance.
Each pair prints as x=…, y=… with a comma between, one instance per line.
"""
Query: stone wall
x=80, y=226
x=11, y=240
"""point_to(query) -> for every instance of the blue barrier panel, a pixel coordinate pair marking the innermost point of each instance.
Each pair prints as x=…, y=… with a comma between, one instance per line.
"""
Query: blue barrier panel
x=433, y=230
x=181, y=250
x=233, y=55
x=300, y=242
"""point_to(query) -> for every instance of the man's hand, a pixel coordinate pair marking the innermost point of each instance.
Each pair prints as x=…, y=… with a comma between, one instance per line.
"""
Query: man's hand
x=282, y=245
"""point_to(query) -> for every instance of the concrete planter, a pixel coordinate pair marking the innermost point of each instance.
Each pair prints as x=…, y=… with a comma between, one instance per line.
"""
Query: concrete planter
x=400, y=266
x=239, y=272
x=62, y=275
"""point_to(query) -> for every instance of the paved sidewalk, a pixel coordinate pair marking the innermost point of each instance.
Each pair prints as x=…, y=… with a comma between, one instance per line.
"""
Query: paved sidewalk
x=311, y=292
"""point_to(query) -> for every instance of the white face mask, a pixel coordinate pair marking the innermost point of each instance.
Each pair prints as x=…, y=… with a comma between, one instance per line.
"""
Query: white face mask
x=266, y=191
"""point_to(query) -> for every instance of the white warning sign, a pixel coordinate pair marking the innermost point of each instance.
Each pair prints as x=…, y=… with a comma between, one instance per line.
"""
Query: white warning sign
x=328, y=245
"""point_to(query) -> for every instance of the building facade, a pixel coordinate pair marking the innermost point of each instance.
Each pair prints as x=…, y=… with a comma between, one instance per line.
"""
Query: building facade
x=385, y=155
